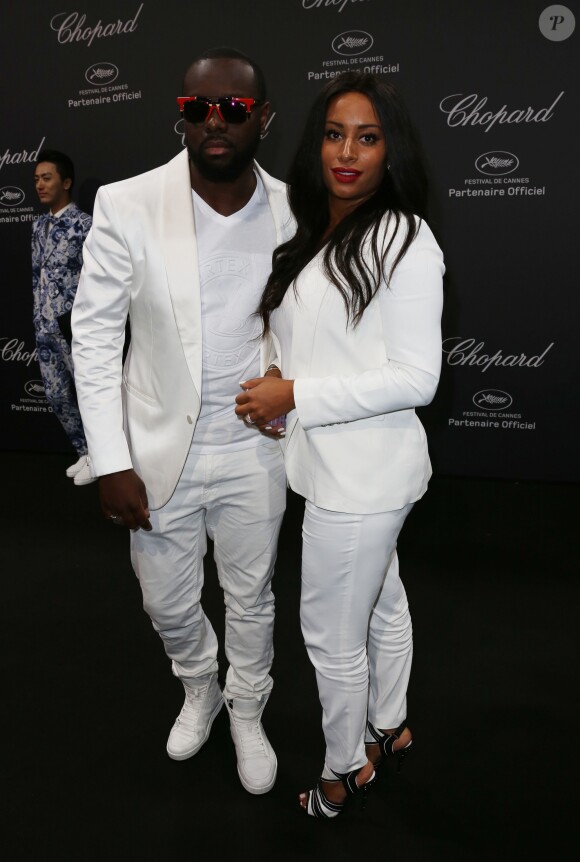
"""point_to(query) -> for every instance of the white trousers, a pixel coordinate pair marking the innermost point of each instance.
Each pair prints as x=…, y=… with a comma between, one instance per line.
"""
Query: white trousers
x=356, y=625
x=238, y=500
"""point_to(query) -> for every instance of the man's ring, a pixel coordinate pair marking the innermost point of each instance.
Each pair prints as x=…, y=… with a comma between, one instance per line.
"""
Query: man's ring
x=249, y=420
x=116, y=519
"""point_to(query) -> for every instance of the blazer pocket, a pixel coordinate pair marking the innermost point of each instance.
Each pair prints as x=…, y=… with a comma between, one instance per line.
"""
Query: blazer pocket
x=134, y=392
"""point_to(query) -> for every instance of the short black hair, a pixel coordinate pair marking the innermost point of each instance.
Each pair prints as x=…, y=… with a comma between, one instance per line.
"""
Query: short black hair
x=63, y=163
x=225, y=53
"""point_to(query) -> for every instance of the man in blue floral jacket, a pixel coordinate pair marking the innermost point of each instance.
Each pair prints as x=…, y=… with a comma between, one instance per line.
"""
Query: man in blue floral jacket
x=57, y=243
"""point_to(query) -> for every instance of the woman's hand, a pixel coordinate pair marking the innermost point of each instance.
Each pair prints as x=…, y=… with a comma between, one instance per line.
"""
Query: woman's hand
x=264, y=399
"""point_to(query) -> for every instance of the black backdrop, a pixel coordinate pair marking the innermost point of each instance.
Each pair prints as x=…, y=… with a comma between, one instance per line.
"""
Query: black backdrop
x=492, y=87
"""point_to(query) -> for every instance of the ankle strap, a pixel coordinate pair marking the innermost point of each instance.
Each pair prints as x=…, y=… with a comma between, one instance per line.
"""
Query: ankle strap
x=348, y=780
x=381, y=737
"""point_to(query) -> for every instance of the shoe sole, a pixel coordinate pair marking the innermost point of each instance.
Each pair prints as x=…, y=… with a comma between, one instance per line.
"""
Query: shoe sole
x=84, y=481
x=71, y=472
x=257, y=791
x=188, y=754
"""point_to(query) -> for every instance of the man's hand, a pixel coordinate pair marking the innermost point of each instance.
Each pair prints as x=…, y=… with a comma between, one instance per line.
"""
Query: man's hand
x=124, y=500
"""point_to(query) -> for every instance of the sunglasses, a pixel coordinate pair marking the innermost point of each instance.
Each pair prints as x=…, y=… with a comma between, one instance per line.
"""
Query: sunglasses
x=230, y=109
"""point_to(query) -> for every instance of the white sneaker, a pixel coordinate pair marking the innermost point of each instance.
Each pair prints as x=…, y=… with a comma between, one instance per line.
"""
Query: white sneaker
x=203, y=701
x=257, y=764
x=85, y=475
x=76, y=467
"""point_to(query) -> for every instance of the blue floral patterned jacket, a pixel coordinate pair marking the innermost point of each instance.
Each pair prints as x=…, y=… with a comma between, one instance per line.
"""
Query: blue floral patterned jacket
x=57, y=259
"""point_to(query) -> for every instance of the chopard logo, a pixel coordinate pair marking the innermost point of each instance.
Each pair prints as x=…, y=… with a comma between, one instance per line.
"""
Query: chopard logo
x=467, y=111
x=352, y=42
x=11, y=196
x=464, y=351
x=317, y=4
x=492, y=399
x=9, y=158
x=12, y=350
x=496, y=163
x=100, y=74
x=70, y=27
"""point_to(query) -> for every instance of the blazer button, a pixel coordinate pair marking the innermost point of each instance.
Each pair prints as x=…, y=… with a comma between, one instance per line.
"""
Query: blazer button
x=190, y=420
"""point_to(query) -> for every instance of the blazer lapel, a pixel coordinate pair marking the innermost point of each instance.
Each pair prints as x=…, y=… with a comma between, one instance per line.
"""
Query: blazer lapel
x=47, y=229
x=179, y=249
x=313, y=287
x=63, y=222
x=279, y=206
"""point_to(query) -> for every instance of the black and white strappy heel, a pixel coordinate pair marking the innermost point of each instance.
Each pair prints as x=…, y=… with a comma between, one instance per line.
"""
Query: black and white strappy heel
x=386, y=743
x=319, y=805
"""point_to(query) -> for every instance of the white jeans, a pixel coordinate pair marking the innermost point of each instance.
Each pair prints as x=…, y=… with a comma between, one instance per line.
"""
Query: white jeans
x=356, y=625
x=238, y=499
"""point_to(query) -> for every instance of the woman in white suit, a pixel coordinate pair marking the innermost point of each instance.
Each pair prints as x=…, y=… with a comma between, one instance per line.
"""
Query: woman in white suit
x=353, y=310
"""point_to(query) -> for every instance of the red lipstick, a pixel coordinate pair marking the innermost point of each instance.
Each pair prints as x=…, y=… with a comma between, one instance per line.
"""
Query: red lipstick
x=346, y=175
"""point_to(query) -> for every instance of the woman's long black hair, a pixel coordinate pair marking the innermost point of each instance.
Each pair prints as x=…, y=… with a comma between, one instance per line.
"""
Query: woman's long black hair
x=401, y=196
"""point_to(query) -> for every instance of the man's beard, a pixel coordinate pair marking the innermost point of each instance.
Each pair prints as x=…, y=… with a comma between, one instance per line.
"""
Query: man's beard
x=224, y=173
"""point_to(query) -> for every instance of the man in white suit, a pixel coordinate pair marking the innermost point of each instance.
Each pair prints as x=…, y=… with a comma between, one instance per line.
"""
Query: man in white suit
x=184, y=251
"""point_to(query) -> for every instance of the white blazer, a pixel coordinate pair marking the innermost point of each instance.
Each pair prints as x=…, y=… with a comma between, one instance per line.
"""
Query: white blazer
x=354, y=442
x=140, y=259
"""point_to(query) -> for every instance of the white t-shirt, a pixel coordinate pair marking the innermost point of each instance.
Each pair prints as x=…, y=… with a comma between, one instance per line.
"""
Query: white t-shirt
x=235, y=260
